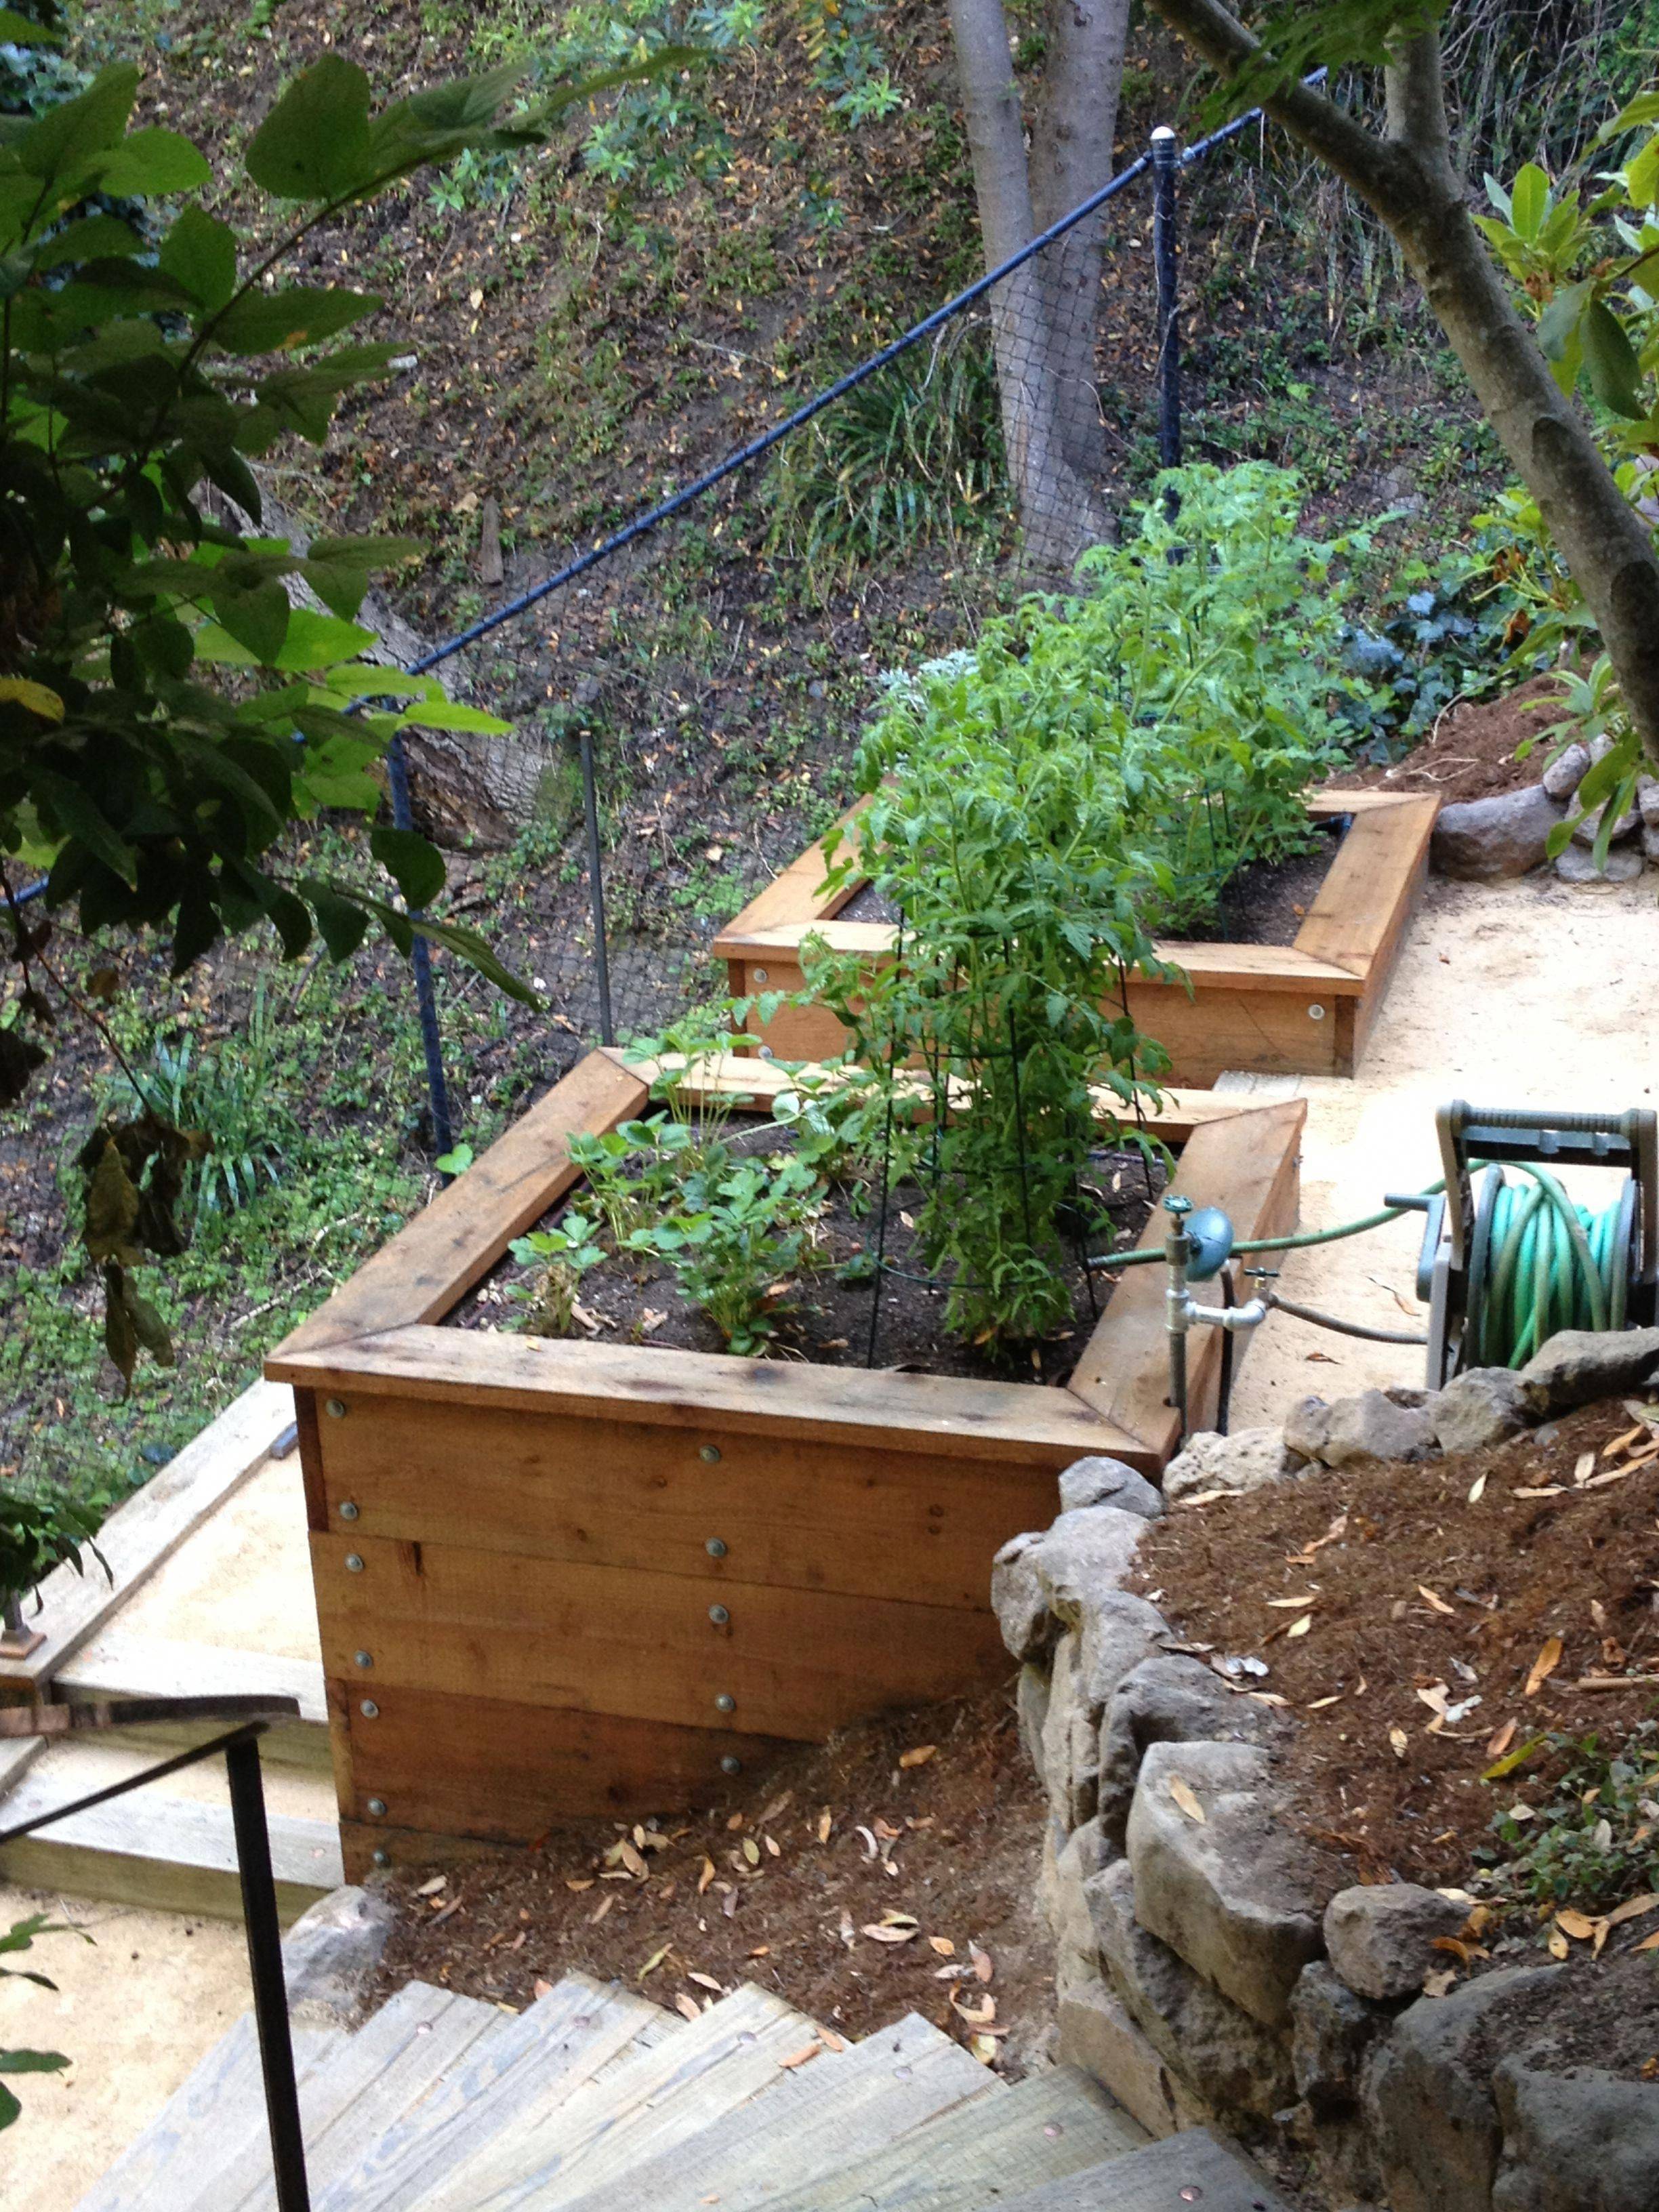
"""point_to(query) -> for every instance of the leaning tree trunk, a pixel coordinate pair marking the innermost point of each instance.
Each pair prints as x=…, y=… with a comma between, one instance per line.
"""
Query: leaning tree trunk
x=1407, y=179
x=1072, y=133
x=1058, y=505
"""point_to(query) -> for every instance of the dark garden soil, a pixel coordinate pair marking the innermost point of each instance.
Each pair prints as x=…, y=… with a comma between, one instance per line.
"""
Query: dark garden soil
x=925, y=1826
x=1471, y=751
x=1501, y=1581
x=1265, y=904
x=822, y=1318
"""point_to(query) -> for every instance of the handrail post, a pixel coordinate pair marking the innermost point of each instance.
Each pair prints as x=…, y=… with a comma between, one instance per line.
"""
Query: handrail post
x=1166, y=163
x=265, y=1955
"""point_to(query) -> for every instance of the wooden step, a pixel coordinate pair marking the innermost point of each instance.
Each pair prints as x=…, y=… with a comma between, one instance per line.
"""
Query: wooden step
x=224, y=2092
x=578, y=2033
x=156, y=1847
x=117, y=1665
x=1193, y=2167
x=660, y=2098
x=1047, y=2127
x=386, y=2068
x=809, y=2121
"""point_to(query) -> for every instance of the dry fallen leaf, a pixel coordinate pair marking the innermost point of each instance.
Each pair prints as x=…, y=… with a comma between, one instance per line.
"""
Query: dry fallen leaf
x=1294, y=1604
x=799, y=2057
x=1578, y=1925
x=687, y=2007
x=830, y=2040
x=983, y=1967
x=1500, y=1739
x=1434, y=1600
x=1648, y=1943
x=1181, y=1792
x=1544, y=1665
x=1477, y=1489
x=877, y=1934
x=942, y=1945
x=1300, y=1627
x=1583, y=1467
x=826, y=1821
x=431, y=1888
x=1437, y=1985
x=1558, y=1945
x=706, y=1876
x=1632, y=1909
x=1400, y=1741
x=918, y=1757
x=540, y=1988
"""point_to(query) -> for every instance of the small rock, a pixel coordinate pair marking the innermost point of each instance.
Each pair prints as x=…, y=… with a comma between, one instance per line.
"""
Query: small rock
x=1229, y=1892
x=1484, y=838
x=1482, y=1405
x=1063, y=1903
x=1231, y=2061
x=1020, y=1600
x=331, y=1954
x=1097, y=2034
x=1381, y=1939
x=1651, y=841
x=1576, y=866
x=1575, y=2140
x=1167, y=1699
x=1118, y=1633
x=1428, y=2101
x=1332, y=2031
x=1247, y=1460
x=1578, y=1365
x=1587, y=828
x=1647, y=799
x=1071, y=1741
x=1306, y=1427
x=1102, y=1481
x=1566, y=771
x=1372, y=1426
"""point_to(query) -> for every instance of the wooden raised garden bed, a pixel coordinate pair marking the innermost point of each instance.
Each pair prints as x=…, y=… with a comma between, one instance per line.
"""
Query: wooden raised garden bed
x=1301, y=1009
x=558, y=1578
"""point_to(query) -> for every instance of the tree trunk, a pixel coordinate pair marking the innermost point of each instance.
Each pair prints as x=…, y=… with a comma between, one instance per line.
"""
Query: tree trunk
x=1407, y=179
x=1058, y=505
x=1073, y=135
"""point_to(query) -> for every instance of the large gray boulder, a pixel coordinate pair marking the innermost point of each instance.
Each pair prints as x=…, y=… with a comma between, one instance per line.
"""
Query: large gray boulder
x=1578, y=2142
x=1375, y=1425
x=1331, y=2030
x=1229, y=1892
x=1483, y=839
x=1097, y=2034
x=1306, y=1426
x=1167, y=1699
x=1117, y=1633
x=1578, y=1365
x=1428, y=2099
x=1099, y=1480
x=1381, y=1940
x=1483, y=1405
x=1041, y=1581
x=1231, y=2061
x=1247, y=1459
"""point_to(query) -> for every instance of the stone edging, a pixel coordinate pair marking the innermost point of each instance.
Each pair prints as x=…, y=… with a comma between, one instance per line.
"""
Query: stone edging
x=1479, y=840
x=1203, y=1975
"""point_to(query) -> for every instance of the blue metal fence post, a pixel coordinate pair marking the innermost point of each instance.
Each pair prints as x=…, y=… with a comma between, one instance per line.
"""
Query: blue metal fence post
x=1166, y=163
x=443, y=1134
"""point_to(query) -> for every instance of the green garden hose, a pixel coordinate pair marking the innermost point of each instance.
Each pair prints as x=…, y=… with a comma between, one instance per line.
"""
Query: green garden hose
x=1549, y=1264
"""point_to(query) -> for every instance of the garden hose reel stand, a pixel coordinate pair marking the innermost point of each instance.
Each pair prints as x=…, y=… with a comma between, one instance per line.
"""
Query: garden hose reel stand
x=1458, y=1263
x=1470, y=1256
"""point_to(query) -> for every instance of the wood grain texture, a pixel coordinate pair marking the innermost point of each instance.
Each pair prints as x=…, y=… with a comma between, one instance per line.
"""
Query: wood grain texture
x=590, y=1381
x=921, y=1526
x=795, y=895
x=145, y=1530
x=508, y=1772
x=1190, y=2168
x=1250, y=1167
x=118, y=1666
x=457, y=1239
x=797, y=1664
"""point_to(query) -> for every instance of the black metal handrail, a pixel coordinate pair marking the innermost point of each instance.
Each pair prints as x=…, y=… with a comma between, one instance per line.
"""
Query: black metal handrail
x=240, y=1746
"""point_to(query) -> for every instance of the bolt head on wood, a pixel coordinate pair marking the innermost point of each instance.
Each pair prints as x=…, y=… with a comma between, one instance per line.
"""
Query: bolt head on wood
x=715, y=1547
x=354, y=1562
x=726, y=1702
x=730, y=1765
x=335, y=1409
x=1315, y=1013
x=709, y=1454
x=383, y=1858
x=363, y=1658
x=348, y=1510
x=760, y=975
x=718, y=1615
x=369, y=1710
x=377, y=1807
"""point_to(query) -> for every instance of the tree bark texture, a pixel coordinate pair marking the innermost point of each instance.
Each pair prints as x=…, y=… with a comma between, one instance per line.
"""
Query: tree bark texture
x=1407, y=178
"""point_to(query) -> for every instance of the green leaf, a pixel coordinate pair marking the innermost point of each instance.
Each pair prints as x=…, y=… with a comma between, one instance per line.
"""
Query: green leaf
x=314, y=144
x=414, y=865
x=22, y=31
x=1615, y=374
x=300, y=314
x=81, y=819
x=65, y=140
x=256, y=621
x=318, y=642
x=338, y=568
x=447, y=715
x=343, y=923
x=1642, y=175
x=1529, y=201
x=95, y=237
x=467, y=945
x=10, y=2110
x=1559, y=322
x=199, y=252
x=153, y=161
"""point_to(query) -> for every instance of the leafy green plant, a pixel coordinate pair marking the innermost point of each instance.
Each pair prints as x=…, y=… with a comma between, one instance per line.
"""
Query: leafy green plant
x=1449, y=640
x=225, y=1096
x=1593, y=1839
x=910, y=457
x=39, y=1532
x=20, y=1936
x=740, y=1228
x=563, y=1255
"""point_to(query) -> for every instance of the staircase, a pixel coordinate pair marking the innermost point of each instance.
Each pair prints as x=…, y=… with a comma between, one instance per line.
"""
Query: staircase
x=595, y=2100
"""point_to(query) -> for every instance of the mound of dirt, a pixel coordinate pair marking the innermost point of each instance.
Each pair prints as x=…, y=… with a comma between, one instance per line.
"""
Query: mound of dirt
x=925, y=1827
x=1420, y=1621
x=1471, y=753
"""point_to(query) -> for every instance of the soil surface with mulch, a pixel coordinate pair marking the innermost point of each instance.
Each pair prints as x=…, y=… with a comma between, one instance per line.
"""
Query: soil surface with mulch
x=1445, y=1585
x=824, y=1316
x=1471, y=753
x=924, y=1826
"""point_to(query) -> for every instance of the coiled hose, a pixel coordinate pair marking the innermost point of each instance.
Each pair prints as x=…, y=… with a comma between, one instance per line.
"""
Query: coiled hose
x=1548, y=1264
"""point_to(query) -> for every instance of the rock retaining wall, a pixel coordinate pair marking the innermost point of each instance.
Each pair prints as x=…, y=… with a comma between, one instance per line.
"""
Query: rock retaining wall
x=1481, y=839
x=1209, y=1966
